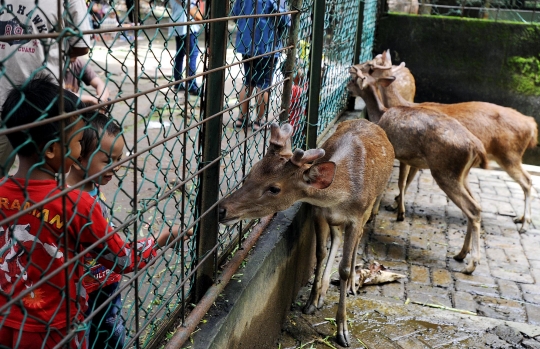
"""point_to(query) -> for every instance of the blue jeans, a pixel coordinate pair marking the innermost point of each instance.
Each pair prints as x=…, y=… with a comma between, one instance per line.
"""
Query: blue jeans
x=181, y=45
x=107, y=327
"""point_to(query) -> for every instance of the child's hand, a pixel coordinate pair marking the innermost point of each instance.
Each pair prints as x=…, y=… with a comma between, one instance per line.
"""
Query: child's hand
x=166, y=237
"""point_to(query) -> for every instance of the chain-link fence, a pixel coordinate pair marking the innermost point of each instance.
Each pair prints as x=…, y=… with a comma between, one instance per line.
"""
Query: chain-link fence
x=108, y=223
x=525, y=11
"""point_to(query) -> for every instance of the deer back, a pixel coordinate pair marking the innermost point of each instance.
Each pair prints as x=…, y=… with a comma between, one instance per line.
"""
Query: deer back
x=502, y=130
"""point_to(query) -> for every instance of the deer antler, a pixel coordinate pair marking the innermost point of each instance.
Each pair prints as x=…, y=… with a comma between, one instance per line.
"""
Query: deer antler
x=382, y=67
x=280, y=139
x=355, y=70
x=385, y=59
x=301, y=157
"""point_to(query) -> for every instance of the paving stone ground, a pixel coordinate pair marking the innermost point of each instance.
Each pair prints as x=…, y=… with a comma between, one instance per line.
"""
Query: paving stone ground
x=504, y=290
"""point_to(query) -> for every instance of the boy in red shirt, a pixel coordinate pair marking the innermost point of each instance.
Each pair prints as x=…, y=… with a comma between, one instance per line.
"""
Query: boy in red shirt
x=102, y=146
x=36, y=291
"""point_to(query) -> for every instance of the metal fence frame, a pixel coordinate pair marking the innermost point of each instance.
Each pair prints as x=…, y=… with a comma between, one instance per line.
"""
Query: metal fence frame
x=151, y=320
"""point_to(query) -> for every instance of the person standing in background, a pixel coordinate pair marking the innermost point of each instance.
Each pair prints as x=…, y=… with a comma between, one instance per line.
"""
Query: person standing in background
x=255, y=37
x=23, y=59
x=185, y=41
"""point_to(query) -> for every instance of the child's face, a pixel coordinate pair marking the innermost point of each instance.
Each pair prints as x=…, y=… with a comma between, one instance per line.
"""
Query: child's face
x=110, y=151
x=54, y=154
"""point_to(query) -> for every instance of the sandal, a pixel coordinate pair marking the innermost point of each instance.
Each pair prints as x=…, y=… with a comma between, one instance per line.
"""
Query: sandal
x=240, y=123
x=257, y=125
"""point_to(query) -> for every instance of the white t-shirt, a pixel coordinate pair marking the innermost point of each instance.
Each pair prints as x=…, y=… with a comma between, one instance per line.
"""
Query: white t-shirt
x=180, y=13
x=21, y=58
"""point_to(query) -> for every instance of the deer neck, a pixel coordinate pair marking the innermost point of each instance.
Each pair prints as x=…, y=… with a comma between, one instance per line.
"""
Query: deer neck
x=374, y=105
x=394, y=98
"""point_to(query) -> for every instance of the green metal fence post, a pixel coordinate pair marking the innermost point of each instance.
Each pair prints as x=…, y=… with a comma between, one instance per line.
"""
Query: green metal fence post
x=317, y=42
x=207, y=237
x=357, y=47
x=288, y=67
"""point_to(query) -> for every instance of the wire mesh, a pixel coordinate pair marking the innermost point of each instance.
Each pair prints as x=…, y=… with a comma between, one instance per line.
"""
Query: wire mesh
x=150, y=64
x=341, y=20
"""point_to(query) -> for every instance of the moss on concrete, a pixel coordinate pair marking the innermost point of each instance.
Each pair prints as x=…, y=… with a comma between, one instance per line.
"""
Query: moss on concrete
x=525, y=73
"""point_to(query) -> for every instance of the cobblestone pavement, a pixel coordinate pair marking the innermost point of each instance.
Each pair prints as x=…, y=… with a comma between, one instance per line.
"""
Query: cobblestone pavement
x=504, y=290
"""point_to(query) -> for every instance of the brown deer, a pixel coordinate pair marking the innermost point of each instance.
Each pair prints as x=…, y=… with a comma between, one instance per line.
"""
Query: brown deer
x=404, y=84
x=346, y=180
x=504, y=132
x=425, y=138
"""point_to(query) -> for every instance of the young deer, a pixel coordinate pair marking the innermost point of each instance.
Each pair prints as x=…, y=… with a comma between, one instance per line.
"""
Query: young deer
x=504, y=132
x=404, y=84
x=424, y=138
x=344, y=183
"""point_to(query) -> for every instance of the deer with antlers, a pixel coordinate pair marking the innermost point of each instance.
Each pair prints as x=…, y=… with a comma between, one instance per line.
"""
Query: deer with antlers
x=504, y=132
x=344, y=183
x=425, y=138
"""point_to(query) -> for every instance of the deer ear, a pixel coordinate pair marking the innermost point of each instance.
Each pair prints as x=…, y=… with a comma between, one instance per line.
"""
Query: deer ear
x=387, y=59
x=320, y=176
x=386, y=81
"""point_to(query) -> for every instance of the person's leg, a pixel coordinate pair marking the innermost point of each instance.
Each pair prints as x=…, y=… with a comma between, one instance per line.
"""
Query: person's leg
x=245, y=93
x=179, y=58
x=262, y=106
x=108, y=326
x=193, y=54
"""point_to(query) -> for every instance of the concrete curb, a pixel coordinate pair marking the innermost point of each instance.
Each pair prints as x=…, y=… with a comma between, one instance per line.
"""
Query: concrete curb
x=251, y=310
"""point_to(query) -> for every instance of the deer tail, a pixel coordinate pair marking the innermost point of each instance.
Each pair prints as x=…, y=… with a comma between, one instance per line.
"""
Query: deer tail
x=534, y=138
x=483, y=160
x=481, y=155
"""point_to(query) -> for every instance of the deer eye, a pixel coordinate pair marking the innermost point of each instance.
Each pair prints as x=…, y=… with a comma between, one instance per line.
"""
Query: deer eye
x=274, y=190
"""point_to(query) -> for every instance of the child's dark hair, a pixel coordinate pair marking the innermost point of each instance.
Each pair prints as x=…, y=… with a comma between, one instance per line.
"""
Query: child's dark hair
x=98, y=125
x=35, y=101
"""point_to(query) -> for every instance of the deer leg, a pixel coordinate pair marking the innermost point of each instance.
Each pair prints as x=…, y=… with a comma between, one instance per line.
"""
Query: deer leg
x=458, y=193
x=321, y=234
x=335, y=242
x=403, y=172
x=376, y=206
x=349, y=249
x=353, y=287
x=523, y=178
x=412, y=173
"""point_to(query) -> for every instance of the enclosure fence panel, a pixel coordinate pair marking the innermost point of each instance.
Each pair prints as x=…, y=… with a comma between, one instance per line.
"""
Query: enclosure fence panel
x=129, y=121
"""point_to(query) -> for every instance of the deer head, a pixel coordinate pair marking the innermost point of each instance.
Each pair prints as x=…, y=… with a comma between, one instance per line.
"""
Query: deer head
x=278, y=180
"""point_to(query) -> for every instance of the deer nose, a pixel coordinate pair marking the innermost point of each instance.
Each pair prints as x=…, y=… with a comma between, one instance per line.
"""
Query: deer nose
x=222, y=213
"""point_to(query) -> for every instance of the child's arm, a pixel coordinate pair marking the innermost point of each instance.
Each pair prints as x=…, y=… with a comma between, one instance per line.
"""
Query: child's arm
x=114, y=253
x=166, y=236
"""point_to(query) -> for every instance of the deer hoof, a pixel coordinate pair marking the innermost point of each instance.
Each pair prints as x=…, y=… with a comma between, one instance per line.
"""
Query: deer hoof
x=459, y=257
x=343, y=338
x=320, y=303
x=519, y=220
x=524, y=225
x=309, y=309
x=470, y=268
x=400, y=217
x=390, y=208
